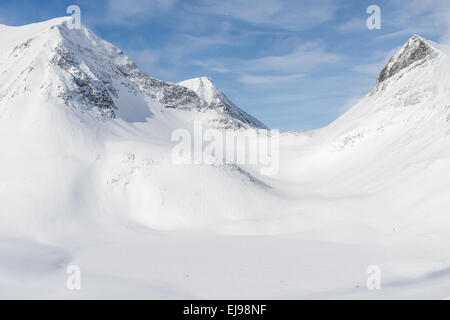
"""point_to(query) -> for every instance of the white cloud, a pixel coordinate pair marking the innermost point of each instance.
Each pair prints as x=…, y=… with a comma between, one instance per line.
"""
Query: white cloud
x=150, y=61
x=201, y=42
x=145, y=59
x=353, y=25
x=304, y=58
x=427, y=18
x=430, y=17
x=268, y=79
x=293, y=65
x=381, y=58
x=135, y=11
x=283, y=14
x=212, y=66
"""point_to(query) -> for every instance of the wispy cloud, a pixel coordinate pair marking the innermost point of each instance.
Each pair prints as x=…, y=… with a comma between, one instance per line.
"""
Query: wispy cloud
x=353, y=25
x=278, y=55
x=430, y=17
x=264, y=44
x=146, y=58
x=380, y=59
x=212, y=65
x=288, y=67
x=306, y=57
x=283, y=14
x=269, y=79
x=135, y=11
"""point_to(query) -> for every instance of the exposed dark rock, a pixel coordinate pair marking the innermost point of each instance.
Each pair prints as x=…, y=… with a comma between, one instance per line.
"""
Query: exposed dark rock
x=416, y=49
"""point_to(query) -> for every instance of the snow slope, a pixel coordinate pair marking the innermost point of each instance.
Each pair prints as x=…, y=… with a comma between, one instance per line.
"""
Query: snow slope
x=76, y=104
x=394, y=138
x=86, y=178
x=213, y=98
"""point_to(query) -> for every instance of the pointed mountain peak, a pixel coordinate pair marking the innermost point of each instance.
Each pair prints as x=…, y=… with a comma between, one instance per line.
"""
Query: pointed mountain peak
x=416, y=45
x=414, y=50
x=416, y=38
x=199, y=80
x=215, y=99
x=203, y=87
x=76, y=68
x=52, y=22
x=13, y=36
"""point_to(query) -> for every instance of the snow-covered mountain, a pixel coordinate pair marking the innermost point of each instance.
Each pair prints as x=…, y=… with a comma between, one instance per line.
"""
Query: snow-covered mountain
x=76, y=104
x=86, y=178
x=390, y=151
x=79, y=69
x=215, y=99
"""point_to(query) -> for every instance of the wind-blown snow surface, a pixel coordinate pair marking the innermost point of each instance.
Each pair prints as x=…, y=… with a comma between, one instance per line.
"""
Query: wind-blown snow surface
x=86, y=179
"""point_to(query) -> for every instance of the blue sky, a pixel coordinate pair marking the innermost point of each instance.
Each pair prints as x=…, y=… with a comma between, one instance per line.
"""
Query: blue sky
x=294, y=64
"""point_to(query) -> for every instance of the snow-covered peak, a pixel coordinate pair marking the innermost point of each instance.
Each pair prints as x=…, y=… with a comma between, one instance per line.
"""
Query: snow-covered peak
x=76, y=67
x=409, y=103
x=203, y=87
x=39, y=26
x=51, y=61
x=415, y=51
x=215, y=99
x=13, y=35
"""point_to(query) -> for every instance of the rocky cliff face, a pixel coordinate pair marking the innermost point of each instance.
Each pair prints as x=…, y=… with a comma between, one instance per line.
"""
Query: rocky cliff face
x=88, y=73
x=416, y=51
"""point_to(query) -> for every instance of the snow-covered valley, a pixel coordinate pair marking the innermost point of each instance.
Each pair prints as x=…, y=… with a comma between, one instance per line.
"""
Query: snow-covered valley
x=87, y=179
